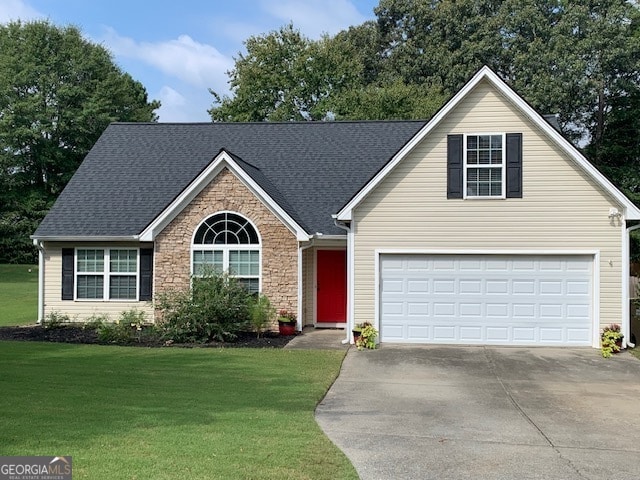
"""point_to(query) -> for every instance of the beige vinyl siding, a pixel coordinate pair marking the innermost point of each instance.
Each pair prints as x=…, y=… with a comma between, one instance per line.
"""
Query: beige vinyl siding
x=562, y=207
x=81, y=310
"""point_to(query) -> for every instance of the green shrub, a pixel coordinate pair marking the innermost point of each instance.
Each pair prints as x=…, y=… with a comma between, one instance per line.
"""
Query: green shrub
x=94, y=322
x=262, y=314
x=55, y=320
x=130, y=327
x=216, y=307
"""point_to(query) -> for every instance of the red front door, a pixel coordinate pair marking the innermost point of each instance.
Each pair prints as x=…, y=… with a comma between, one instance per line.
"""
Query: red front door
x=332, y=286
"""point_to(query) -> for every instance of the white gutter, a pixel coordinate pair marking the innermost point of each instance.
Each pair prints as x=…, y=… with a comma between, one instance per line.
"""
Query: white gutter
x=120, y=238
x=300, y=282
x=40, y=281
x=349, y=277
x=626, y=324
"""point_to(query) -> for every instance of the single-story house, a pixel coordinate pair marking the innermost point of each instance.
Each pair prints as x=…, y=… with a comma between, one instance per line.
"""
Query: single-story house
x=482, y=225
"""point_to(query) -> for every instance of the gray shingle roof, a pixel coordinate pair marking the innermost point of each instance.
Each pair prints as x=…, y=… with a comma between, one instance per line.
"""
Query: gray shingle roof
x=136, y=169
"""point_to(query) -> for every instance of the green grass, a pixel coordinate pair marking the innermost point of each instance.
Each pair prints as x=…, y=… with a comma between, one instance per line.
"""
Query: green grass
x=18, y=294
x=136, y=413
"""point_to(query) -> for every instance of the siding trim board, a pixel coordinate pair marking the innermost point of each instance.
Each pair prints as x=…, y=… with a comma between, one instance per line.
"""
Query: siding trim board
x=595, y=278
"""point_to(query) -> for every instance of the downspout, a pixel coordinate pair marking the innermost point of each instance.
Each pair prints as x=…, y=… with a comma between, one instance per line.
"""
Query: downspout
x=347, y=339
x=40, y=248
x=300, y=282
x=625, y=287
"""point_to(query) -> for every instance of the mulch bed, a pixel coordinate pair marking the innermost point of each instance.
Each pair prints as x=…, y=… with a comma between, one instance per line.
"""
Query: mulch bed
x=77, y=334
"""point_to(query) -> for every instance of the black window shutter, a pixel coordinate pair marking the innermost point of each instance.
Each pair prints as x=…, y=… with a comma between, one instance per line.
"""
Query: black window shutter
x=514, y=165
x=454, y=166
x=67, y=273
x=146, y=273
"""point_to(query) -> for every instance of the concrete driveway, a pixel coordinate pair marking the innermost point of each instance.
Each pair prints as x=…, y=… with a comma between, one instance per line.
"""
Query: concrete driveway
x=486, y=413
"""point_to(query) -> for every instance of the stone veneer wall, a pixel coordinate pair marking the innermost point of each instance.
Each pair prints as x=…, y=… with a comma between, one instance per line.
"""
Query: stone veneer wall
x=227, y=193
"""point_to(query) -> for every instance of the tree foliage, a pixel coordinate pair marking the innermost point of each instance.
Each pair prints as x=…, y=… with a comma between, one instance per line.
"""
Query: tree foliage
x=283, y=76
x=58, y=92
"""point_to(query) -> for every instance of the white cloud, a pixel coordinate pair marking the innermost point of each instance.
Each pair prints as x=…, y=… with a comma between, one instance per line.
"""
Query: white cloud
x=178, y=107
x=17, y=10
x=195, y=63
x=315, y=17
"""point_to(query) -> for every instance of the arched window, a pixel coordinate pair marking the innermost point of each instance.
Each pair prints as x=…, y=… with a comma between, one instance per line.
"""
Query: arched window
x=228, y=242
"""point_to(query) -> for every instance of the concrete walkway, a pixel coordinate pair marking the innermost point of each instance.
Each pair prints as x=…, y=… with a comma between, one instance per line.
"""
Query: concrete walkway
x=491, y=413
x=319, y=338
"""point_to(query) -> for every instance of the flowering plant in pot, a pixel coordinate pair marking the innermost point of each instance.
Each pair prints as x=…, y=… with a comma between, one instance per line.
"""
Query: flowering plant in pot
x=364, y=335
x=286, y=322
x=611, y=340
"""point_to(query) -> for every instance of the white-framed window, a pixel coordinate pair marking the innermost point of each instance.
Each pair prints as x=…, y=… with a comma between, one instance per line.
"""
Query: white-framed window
x=228, y=242
x=106, y=274
x=484, y=165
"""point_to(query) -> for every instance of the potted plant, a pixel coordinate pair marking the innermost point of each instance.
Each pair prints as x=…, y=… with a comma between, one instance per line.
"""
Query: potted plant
x=611, y=340
x=357, y=331
x=286, y=322
x=364, y=335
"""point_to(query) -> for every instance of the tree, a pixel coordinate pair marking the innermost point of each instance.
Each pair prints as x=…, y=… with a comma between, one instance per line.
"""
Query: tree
x=394, y=101
x=438, y=42
x=567, y=57
x=58, y=92
x=283, y=76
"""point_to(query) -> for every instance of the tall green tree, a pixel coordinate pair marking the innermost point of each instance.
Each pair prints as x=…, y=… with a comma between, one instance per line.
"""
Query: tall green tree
x=58, y=92
x=573, y=57
x=283, y=76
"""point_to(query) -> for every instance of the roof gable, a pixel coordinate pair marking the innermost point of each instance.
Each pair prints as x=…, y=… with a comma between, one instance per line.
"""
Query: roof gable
x=239, y=168
x=486, y=74
x=135, y=171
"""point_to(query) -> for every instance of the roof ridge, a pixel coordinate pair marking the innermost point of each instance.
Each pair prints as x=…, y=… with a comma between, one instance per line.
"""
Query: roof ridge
x=331, y=122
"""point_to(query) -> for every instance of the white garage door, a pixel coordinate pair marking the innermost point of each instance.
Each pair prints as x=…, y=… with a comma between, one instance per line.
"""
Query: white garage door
x=486, y=299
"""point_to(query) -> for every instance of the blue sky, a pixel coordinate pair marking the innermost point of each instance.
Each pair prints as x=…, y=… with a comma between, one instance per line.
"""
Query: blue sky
x=179, y=49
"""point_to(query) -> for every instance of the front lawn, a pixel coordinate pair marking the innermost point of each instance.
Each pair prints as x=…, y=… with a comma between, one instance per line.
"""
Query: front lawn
x=18, y=294
x=166, y=413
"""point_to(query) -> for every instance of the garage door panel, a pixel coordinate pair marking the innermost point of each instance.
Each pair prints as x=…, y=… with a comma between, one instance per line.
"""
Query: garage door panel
x=579, y=336
x=470, y=287
x=497, y=310
x=471, y=334
x=417, y=286
x=486, y=299
x=576, y=287
x=524, y=334
x=441, y=286
x=497, y=334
